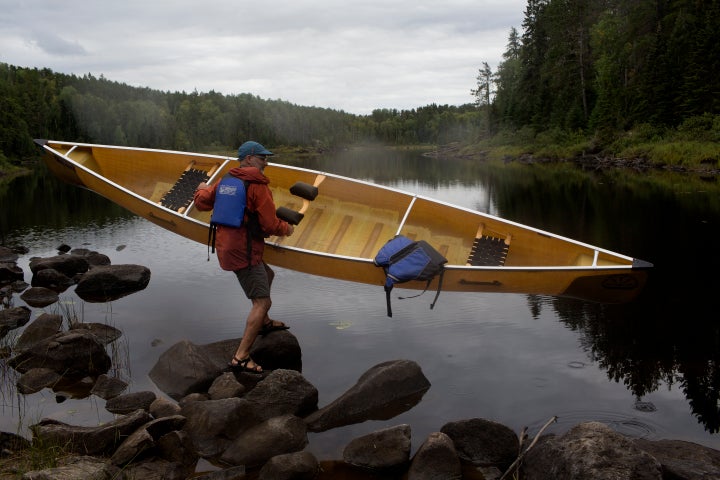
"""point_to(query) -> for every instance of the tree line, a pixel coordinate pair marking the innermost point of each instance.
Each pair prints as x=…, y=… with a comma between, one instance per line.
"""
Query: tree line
x=607, y=66
x=40, y=103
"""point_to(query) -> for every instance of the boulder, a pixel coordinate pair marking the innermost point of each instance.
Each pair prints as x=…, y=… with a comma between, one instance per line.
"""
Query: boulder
x=52, y=279
x=283, y=392
x=71, y=354
x=381, y=393
x=7, y=255
x=589, y=450
x=68, y=265
x=85, y=467
x=124, y=404
x=187, y=368
x=212, y=423
x=296, y=466
x=384, y=451
x=43, y=327
x=39, y=297
x=680, y=459
x=104, y=333
x=226, y=386
x=36, y=379
x=10, y=272
x=162, y=407
x=107, y=387
x=100, y=440
x=436, y=458
x=12, y=318
x=276, y=436
x=483, y=443
x=109, y=282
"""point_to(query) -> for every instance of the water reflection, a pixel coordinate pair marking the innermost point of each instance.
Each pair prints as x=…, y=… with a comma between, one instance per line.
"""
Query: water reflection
x=547, y=350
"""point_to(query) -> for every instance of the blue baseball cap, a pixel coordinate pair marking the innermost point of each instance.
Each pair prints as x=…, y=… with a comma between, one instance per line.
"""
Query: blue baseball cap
x=252, y=148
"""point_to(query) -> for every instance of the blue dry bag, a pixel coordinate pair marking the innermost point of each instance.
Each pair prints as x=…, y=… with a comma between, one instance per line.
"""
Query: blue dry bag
x=404, y=260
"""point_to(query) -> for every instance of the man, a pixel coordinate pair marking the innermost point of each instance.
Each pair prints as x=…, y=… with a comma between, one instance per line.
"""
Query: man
x=254, y=274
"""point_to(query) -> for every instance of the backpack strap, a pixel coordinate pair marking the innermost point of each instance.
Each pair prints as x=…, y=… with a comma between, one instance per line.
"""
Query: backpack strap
x=387, y=299
x=437, y=294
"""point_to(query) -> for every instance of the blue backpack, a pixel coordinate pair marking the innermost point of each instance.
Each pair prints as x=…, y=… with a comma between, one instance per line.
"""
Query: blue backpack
x=229, y=206
x=403, y=260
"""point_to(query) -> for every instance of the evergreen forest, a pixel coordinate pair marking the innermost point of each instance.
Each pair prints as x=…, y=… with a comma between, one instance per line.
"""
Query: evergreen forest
x=630, y=77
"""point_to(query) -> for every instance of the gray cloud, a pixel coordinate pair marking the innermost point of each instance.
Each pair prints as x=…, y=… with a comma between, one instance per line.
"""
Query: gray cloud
x=347, y=55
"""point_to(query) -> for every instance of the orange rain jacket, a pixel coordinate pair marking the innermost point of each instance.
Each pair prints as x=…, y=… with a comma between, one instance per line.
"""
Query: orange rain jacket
x=231, y=243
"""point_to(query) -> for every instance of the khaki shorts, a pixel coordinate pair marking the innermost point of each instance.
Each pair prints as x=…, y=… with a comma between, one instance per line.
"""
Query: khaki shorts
x=256, y=280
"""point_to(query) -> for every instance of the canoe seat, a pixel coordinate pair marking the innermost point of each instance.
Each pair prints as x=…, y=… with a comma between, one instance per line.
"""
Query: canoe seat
x=181, y=194
x=488, y=251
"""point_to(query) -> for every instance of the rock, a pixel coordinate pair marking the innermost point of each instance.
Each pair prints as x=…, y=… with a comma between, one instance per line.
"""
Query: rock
x=589, y=450
x=212, y=423
x=68, y=265
x=11, y=442
x=291, y=466
x=36, y=379
x=176, y=446
x=144, y=439
x=105, y=334
x=107, y=387
x=93, y=258
x=52, y=279
x=132, y=448
x=162, y=407
x=283, y=392
x=100, y=440
x=39, y=297
x=156, y=468
x=226, y=386
x=381, y=393
x=12, y=318
x=85, y=467
x=109, y=282
x=386, y=450
x=279, y=435
x=124, y=404
x=10, y=272
x=7, y=255
x=232, y=473
x=187, y=368
x=71, y=354
x=436, y=458
x=483, y=442
x=43, y=327
x=685, y=460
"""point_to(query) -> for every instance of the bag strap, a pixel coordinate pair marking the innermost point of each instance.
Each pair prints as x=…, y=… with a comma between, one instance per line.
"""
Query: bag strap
x=387, y=299
x=437, y=294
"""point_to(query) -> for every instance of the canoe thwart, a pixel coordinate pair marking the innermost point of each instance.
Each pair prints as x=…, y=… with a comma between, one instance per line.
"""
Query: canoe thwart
x=304, y=190
x=290, y=216
x=181, y=194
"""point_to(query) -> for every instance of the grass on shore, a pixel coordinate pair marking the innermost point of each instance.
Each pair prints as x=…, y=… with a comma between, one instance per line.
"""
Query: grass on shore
x=695, y=145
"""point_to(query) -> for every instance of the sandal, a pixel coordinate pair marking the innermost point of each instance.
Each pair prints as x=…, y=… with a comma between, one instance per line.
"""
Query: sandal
x=242, y=365
x=272, y=326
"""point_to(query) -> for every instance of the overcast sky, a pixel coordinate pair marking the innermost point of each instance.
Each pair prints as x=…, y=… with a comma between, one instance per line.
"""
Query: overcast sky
x=350, y=55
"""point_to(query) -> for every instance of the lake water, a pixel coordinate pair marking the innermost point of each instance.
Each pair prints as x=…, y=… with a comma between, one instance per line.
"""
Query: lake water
x=650, y=368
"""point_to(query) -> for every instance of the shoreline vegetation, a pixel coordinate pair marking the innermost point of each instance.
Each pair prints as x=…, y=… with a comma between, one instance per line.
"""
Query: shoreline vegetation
x=699, y=157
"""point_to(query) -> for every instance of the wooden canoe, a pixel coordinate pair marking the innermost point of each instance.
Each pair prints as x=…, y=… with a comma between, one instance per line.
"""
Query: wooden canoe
x=349, y=220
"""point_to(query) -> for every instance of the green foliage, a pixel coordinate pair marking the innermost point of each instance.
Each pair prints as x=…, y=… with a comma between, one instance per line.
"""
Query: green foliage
x=610, y=65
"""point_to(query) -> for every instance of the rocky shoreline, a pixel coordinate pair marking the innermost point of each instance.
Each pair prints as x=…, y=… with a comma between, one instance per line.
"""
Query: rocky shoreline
x=248, y=425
